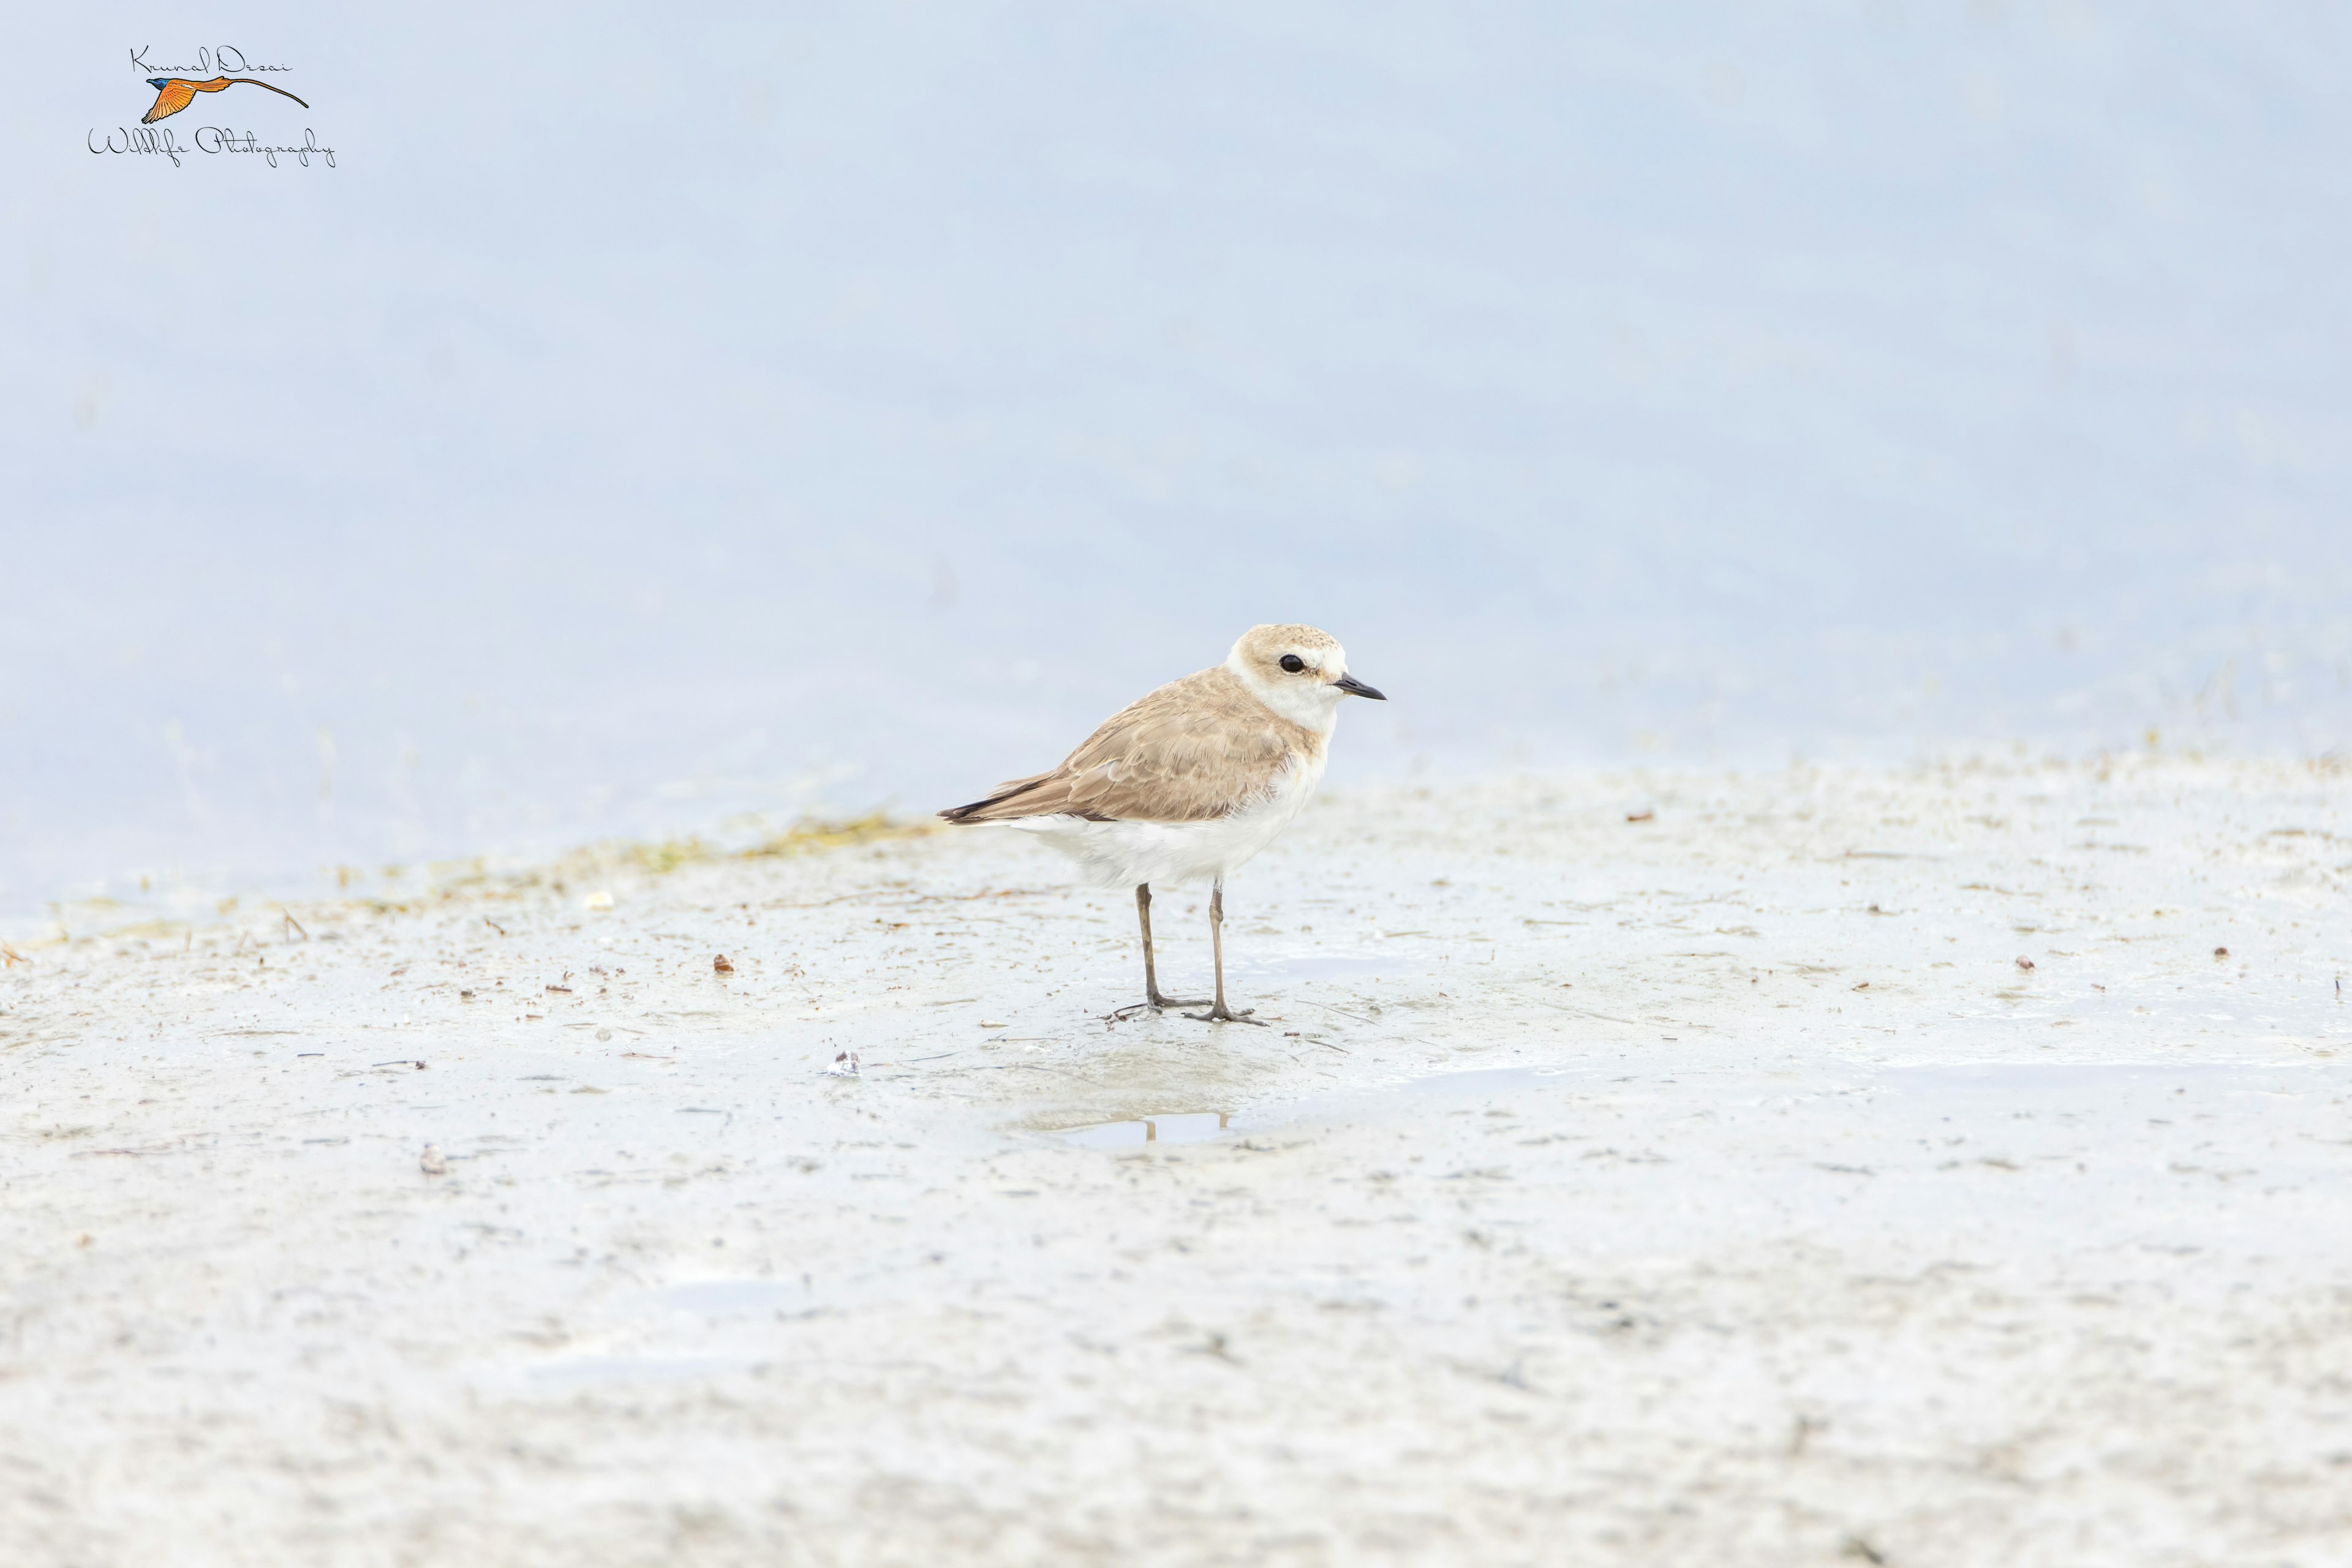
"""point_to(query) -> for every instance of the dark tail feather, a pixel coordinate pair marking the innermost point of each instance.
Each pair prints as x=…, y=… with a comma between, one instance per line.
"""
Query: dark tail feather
x=1004, y=793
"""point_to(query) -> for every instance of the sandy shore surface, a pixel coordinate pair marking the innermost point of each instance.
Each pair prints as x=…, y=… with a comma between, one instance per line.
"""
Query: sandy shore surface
x=1719, y=1187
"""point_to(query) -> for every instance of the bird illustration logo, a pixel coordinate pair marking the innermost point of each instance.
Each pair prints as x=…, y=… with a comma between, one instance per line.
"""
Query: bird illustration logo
x=174, y=93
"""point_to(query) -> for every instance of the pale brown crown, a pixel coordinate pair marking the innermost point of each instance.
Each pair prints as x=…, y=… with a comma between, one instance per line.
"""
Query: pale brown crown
x=1261, y=650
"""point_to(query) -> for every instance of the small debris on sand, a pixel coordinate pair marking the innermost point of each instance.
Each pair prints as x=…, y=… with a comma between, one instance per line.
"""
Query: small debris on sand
x=720, y=966
x=2024, y=962
x=432, y=1163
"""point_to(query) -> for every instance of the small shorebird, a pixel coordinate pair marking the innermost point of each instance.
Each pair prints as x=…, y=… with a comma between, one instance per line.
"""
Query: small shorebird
x=1191, y=780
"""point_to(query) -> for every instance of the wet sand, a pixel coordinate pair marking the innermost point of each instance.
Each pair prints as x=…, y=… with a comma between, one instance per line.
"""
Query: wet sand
x=1713, y=1187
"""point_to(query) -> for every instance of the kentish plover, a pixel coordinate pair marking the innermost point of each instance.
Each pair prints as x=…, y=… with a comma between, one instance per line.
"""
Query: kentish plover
x=1191, y=780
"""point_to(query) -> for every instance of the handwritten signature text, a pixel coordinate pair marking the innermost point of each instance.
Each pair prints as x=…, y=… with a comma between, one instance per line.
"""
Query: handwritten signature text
x=210, y=139
x=225, y=58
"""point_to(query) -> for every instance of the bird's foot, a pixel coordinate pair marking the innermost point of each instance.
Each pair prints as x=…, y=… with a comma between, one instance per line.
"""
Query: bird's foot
x=1225, y=1016
x=1156, y=1004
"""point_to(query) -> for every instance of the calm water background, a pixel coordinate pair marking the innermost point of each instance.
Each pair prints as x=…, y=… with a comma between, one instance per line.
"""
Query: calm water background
x=654, y=419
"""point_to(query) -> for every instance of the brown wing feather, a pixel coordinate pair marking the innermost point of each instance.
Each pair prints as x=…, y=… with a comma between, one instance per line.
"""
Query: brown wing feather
x=172, y=97
x=1194, y=750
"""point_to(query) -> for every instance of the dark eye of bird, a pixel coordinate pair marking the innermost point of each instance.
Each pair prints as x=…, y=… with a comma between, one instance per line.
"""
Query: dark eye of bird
x=1293, y=663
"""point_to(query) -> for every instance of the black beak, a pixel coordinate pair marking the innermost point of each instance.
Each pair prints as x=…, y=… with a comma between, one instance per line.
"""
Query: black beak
x=1354, y=687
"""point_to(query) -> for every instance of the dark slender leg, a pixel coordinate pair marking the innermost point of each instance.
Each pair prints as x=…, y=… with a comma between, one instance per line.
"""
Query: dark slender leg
x=1150, y=970
x=1219, y=1012
x=1143, y=919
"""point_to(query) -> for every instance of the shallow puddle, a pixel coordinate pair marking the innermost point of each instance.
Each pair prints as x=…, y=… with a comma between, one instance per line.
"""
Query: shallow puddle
x=636, y=1369
x=1181, y=1127
x=714, y=1298
x=1314, y=965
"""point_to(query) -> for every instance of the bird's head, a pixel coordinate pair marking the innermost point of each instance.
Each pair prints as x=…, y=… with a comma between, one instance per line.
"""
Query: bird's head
x=1299, y=672
x=159, y=83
